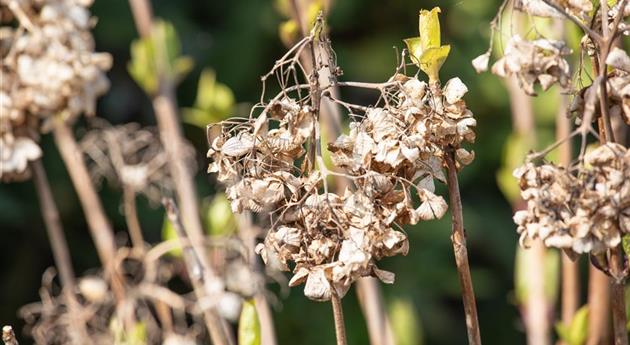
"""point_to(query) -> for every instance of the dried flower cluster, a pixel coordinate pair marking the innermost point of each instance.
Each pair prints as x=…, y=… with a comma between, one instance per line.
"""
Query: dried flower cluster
x=539, y=61
x=587, y=211
x=131, y=156
x=49, y=68
x=579, y=8
x=394, y=149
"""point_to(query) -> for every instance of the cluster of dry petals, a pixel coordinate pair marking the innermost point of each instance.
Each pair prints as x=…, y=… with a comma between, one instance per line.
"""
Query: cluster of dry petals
x=540, y=61
x=49, y=68
x=578, y=8
x=393, y=153
x=586, y=211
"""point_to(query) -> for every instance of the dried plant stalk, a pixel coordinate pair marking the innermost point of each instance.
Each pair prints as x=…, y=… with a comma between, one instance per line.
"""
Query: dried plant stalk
x=458, y=238
x=131, y=217
x=165, y=106
x=213, y=321
x=59, y=246
x=98, y=223
x=340, y=328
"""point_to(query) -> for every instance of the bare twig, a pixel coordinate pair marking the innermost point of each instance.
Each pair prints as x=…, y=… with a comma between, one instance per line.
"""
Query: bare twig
x=165, y=106
x=617, y=298
x=131, y=217
x=458, y=238
x=598, y=306
x=60, y=250
x=193, y=262
x=98, y=223
x=596, y=37
x=340, y=328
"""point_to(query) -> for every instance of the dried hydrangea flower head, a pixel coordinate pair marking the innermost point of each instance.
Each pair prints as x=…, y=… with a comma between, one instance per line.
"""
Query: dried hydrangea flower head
x=539, y=61
x=584, y=211
x=131, y=156
x=49, y=68
x=394, y=150
x=579, y=8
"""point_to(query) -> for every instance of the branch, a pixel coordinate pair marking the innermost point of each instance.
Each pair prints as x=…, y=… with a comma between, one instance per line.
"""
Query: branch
x=458, y=238
x=59, y=246
x=340, y=328
x=597, y=38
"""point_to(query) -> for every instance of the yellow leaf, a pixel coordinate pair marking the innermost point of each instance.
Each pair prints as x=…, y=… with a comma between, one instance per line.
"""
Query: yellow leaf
x=432, y=59
x=429, y=28
x=415, y=49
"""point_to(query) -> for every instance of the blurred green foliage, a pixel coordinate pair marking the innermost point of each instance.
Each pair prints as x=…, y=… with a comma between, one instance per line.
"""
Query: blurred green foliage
x=576, y=332
x=248, y=324
x=239, y=41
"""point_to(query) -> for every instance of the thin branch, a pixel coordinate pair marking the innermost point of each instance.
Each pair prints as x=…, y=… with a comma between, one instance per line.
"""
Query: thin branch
x=59, y=246
x=617, y=295
x=596, y=37
x=131, y=217
x=165, y=106
x=458, y=238
x=193, y=263
x=340, y=328
x=99, y=226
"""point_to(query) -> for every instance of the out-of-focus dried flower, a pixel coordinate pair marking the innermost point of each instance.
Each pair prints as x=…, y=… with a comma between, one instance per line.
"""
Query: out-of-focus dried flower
x=539, y=8
x=583, y=212
x=131, y=156
x=49, y=68
x=539, y=61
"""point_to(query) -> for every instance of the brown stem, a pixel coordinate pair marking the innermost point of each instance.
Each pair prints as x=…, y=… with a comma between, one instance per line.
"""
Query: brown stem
x=536, y=309
x=373, y=307
x=59, y=245
x=570, y=269
x=458, y=238
x=598, y=306
x=131, y=217
x=165, y=107
x=340, y=328
x=192, y=260
x=618, y=297
x=98, y=224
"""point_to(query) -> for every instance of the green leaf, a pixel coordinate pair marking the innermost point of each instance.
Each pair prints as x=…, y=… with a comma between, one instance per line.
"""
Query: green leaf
x=523, y=271
x=219, y=218
x=169, y=233
x=214, y=101
x=405, y=322
x=248, y=325
x=159, y=54
x=576, y=332
x=514, y=151
x=625, y=244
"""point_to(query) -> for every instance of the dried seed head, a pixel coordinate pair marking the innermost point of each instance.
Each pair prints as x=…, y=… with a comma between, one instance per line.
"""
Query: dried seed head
x=539, y=61
x=583, y=212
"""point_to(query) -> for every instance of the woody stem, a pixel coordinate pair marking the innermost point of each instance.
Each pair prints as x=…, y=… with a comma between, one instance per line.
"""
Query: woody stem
x=458, y=238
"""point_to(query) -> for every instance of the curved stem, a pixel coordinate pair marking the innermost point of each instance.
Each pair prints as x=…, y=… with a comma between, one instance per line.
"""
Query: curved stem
x=458, y=237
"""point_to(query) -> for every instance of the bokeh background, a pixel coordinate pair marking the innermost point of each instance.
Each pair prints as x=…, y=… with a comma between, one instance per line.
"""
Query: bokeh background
x=240, y=41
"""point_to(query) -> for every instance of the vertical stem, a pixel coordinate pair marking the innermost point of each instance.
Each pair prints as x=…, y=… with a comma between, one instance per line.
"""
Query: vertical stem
x=598, y=304
x=98, y=224
x=373, y=307
x=131, y=217
x=165, y=107
x=618, y=295
x=61, y=254
x=340, y=328
x=192, y=260
x=458, y=238
x=570, y=269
